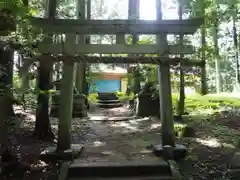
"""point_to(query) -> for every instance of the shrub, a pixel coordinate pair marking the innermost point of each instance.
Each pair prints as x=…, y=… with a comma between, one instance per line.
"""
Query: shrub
x=93, y=97
x=122, y=96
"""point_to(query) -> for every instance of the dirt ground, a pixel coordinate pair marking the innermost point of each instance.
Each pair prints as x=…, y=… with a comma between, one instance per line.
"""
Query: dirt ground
x=115, y=135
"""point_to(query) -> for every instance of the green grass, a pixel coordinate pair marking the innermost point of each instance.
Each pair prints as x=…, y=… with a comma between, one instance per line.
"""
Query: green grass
x=192, y=102
x=198, y=102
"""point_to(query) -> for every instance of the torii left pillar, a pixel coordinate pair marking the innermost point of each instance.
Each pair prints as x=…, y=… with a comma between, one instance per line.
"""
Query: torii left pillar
x=65, y=149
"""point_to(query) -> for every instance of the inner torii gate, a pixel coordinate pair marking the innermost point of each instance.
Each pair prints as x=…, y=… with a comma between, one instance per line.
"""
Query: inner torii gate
x=72, y=51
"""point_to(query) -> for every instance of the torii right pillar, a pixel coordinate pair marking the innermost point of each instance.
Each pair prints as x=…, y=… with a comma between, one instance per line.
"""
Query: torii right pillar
x=168, y=149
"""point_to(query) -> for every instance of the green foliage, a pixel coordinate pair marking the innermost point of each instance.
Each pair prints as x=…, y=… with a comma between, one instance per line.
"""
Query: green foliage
x=198, y=102
x=179, y=129
x=122, y=96
x=93, y=98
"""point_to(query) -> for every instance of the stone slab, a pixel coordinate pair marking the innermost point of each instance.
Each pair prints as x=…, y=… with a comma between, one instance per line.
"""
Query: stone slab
x=236, y=161
x=50, y=154
x=63, y=172
x=107, y=169
x=179, y=151
x=127, y=178
x=113, y=118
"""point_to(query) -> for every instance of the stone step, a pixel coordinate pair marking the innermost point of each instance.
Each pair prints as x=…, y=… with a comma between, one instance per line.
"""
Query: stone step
x=127, y=178
x=126, y=170
x=107, y=96
x=108, y=101
x=109, y=105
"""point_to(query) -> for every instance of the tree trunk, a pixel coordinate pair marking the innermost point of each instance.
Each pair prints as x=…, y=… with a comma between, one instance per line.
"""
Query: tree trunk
x=6, y=108
x=129, y=81
x=24, y=77
x=86, y=72
x=81, y=39
x=137, y=80
x=7, y=72
x=42, y=124
x=58, y=70
x=216, y=49
x=79, y=78
x=235, y=40
x=181, y=102
x=204, y=89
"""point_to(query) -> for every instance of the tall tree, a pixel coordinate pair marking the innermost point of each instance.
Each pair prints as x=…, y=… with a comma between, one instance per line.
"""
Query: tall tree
x=81, y=67
x=181, y=101
x=5, y=100
x=233, y=12
x=42, y=126
x=215, y=31
x=203, y=52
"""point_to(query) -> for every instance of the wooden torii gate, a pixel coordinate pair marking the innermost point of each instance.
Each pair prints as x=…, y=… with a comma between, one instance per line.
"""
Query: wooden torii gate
x=71, y=51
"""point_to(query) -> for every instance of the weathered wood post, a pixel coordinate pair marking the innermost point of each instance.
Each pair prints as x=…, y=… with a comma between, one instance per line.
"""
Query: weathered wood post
x=66, y=101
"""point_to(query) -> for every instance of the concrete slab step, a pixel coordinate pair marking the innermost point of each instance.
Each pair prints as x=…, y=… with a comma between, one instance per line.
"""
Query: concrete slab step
x=111, y=105
x=131, y=169
x=109, y=101
x=126, y=178
x=107, y=96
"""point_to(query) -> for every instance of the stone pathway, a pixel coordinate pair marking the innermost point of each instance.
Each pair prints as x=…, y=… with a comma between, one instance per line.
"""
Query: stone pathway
x=113, y=114
x=118, y=135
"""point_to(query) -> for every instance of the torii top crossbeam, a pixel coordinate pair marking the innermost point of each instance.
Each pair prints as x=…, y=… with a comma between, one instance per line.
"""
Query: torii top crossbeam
x=78, y=50
x=188, y=26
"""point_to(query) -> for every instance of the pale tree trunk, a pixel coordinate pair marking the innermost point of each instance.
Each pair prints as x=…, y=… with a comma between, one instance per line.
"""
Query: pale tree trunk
x=24, y=80
x=216, y=49
x=24, y=76
x=235, y=40
x=58, y=70
x=181, y=102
